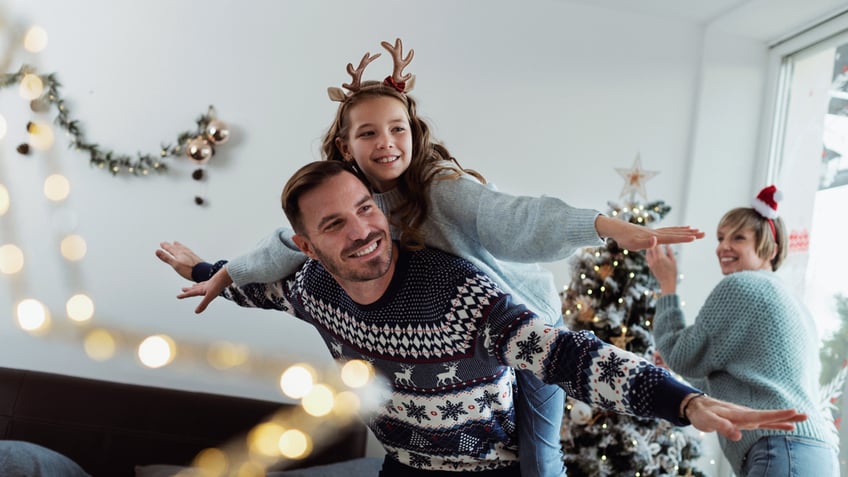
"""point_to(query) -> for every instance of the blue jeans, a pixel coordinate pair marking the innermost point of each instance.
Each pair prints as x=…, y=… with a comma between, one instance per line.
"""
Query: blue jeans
x=790, y=456
x=539, y=410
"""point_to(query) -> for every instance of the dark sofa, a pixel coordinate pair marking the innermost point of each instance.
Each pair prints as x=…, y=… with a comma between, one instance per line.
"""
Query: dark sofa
x=108, y=428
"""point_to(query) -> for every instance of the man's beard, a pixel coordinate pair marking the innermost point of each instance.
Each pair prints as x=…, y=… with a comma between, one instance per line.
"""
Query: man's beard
x=370, y=270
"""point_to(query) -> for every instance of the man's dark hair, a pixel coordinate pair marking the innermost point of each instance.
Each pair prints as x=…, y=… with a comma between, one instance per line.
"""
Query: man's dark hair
x=307, y=178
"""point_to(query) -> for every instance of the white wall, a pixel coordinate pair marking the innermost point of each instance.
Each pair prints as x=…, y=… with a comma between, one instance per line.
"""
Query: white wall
x=543, y=97
x=553, y=108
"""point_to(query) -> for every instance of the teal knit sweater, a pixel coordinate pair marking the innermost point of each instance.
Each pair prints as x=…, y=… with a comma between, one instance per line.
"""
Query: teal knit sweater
x=753, y=344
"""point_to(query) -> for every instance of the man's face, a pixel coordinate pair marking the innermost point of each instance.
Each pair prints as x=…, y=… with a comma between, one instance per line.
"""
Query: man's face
x=345, y=230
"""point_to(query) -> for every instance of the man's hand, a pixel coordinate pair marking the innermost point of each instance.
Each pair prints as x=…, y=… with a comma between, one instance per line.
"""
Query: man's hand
x=209, y=290
x=181, y=258
x=638, y=237
x=709, y=414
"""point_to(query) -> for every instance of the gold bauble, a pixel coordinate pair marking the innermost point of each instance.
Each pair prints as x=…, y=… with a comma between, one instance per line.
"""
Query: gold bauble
x=217, y=131
x=199, y=150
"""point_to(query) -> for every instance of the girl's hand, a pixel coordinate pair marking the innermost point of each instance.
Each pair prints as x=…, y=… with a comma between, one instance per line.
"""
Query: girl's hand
x=181, y=258
x=638, y=237
x=708, y=414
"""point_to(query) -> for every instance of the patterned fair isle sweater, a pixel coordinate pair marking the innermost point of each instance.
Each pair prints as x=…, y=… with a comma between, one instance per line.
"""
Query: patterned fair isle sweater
x=753, y=344
x=447, y=339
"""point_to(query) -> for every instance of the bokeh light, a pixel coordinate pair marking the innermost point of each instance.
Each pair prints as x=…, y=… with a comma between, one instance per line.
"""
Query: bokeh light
x=33, y=316
x=80, y=307
x=212, y=461
x=346, y=404
x=35, y=39
x=56, y=187
x=73, y=247
x=41, y=136
x=4, y=200
x=264, y=439
x=99, y=345
x=31, y=87
x=319, y=401
x=295, y=444
x=226, y=355
x=297, y=381
x=157, y=351
x=250, y=469
x=11, y=259
x=356, y=373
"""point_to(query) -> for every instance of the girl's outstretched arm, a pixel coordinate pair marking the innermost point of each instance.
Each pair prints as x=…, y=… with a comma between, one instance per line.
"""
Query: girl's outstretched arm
x=638, y=237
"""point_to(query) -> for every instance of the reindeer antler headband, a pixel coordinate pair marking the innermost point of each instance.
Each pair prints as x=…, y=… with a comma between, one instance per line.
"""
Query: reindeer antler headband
x=398, y=80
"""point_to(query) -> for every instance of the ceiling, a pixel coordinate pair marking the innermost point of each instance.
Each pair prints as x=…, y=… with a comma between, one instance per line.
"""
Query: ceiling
x=766, y=20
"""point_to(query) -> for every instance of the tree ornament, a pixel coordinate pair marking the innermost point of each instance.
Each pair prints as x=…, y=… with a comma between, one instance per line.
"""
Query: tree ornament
x=199, y=150
x=581, y=413
x=217, y=131
x=634, y=179
x=23, y=148
x=621, y=341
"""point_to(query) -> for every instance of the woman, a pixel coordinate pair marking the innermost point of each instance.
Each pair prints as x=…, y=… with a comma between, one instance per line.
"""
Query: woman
x=752, y=343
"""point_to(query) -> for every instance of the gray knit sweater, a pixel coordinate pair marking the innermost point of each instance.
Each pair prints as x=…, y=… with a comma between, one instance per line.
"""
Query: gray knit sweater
x=753, y=344
x=503, y=235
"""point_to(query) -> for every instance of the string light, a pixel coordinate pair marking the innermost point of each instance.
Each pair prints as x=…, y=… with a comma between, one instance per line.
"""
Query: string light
x=73, y=248
x=57, y=187
x=99, y=345
x=11, y=259
x=80, y=308
x=157, y=351
x=294, y=444
x=35, y=39
x=297, y=380
x=33, y=316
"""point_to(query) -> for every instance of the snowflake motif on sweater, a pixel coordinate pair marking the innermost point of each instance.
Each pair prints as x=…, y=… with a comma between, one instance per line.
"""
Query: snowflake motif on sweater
x=447, y=340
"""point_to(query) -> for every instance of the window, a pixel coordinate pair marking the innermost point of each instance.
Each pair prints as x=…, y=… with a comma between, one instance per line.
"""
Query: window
x=808, y=160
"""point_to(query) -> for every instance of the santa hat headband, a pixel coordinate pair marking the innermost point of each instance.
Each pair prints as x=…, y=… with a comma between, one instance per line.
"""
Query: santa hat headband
x=398, y=80
x=765, y=203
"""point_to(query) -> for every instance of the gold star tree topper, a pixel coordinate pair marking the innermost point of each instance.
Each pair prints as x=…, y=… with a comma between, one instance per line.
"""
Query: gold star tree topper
x=634, y=179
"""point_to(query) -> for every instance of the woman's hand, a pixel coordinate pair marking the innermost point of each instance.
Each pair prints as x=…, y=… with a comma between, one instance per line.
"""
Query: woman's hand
x=663, y=265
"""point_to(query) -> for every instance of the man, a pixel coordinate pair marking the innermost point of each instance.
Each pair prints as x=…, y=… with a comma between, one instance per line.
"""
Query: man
x=446, y=337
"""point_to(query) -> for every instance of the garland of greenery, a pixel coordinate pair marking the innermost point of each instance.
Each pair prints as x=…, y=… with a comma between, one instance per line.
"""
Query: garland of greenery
x=114, y=162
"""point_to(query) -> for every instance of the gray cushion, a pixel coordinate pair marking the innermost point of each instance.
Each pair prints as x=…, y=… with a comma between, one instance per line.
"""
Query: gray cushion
x=362, y=467
x=25, y=459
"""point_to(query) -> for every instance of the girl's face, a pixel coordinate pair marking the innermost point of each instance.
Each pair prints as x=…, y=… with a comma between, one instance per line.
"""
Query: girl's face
x=380, y=140
x=737, y=251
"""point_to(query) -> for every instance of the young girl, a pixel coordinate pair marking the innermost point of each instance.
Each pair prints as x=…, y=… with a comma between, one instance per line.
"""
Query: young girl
x=752, y=343
x=433, y=201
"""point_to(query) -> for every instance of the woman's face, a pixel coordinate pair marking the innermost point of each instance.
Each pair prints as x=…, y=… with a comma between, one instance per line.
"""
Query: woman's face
x=737, y=251
x=380, y=140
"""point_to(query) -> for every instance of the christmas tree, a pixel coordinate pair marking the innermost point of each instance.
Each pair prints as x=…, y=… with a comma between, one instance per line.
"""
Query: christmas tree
x=613, y=294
